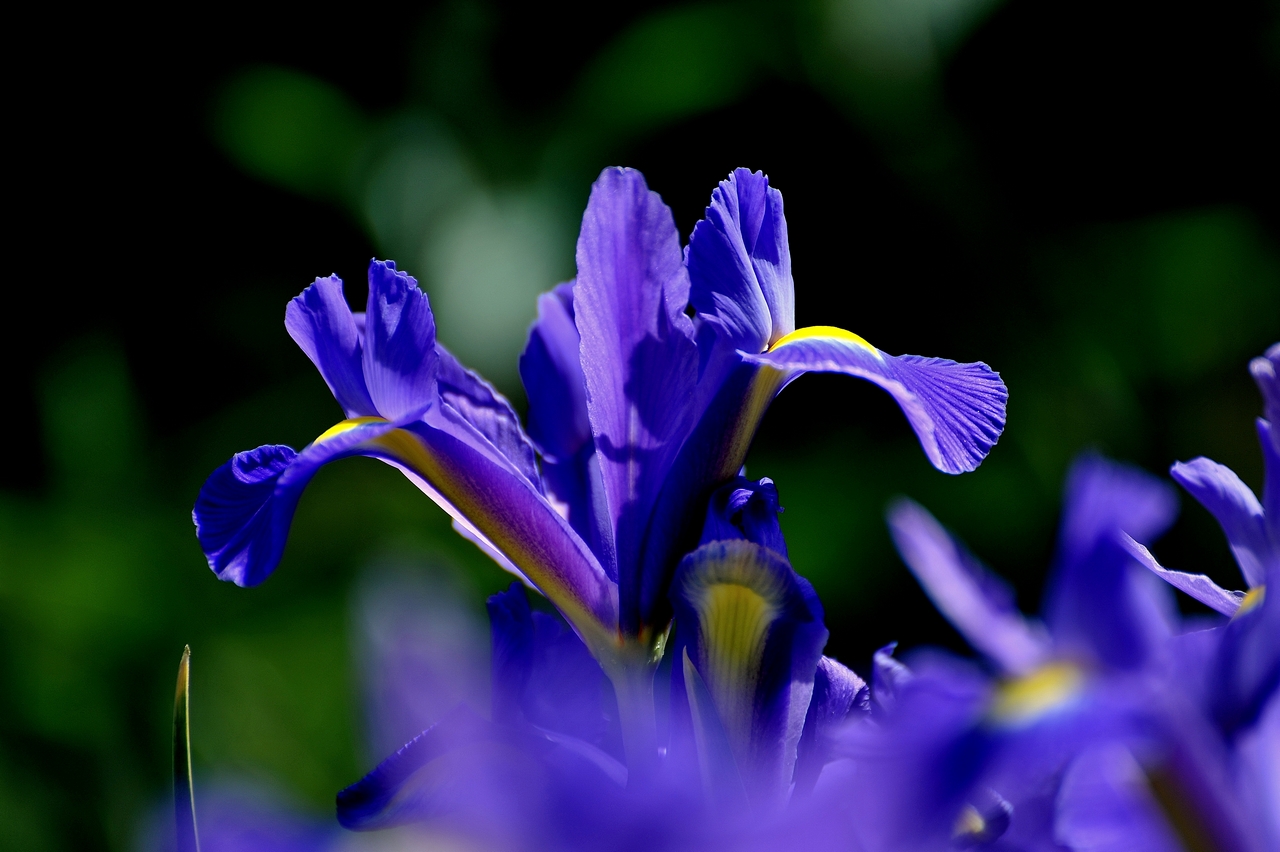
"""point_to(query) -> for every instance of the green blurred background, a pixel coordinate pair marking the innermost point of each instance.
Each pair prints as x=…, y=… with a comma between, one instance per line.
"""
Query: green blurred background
x=1081, y=194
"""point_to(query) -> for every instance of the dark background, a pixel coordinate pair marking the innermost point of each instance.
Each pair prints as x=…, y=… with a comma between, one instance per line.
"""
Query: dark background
x=1082, y=195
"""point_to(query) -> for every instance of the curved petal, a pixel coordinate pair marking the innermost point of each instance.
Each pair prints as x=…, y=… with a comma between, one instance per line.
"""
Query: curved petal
x=400, y=360
x=245, y=508
x=638, y=356
x=243, y=522
x=957, y=410
x=753, y=629
x=977, y=603
x=321, y=323
x=1237, y=510
x=1199, y=586
x=740, y=264
x=398, y=790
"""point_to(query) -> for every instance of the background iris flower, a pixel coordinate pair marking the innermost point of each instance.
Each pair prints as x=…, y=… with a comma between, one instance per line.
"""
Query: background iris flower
x=1101, y=728
x=675, y=358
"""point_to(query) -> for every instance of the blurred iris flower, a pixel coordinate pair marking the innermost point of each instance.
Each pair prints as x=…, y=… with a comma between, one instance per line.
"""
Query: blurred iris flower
x=647, y=378
x=1108, y=726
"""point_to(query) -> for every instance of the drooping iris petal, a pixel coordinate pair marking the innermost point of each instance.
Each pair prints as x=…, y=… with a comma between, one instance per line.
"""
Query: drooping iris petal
x=1236, y=509
x=400, y=358
x=747, y=510
x=551, y=371
x=638, y=356
x=740, y=264
x=980, y=606
x=488, y=411
x=753, y=629
x=245, y=508
x=1199, y=586
x=957, y=410
x=321, y=323
x=838, y=694
x=246, y=524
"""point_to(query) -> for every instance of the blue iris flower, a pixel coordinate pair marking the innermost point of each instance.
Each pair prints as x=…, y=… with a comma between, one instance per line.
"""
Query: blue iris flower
x=1091, y=728
x=647, y=378
x=1247, y=670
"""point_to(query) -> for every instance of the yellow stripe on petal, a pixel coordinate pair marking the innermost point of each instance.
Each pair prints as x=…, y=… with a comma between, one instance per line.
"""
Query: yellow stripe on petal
x=346, y=426
x=734, y=622
x=1046, y=689
x=826, y=332
x=1252, y=598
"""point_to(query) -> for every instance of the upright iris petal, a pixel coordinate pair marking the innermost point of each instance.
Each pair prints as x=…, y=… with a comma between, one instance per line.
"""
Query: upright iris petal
x=741, y=245
x=551, y=370
x=638, y=355
x=400, y=360
x=322, y=325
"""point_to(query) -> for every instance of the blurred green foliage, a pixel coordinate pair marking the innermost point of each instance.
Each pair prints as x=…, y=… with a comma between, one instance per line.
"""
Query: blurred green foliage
x=1130, y=336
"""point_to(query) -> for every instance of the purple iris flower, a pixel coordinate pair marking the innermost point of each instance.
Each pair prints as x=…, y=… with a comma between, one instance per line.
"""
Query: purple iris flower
x=1087, y=729
x=1246, y=674
x=745, y=703
x=647, y=379
x=966, y=759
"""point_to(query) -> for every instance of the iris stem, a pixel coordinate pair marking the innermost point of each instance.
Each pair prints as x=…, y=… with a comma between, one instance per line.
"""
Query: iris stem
x=633, y=685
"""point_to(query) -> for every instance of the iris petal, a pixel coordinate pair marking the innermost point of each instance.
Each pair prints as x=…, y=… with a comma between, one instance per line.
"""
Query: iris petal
x=740, y=264
x=979, y=605
x=321, y=323
x=753, y=629
x=957, y=410
x=245, y=510
x=489, y=412
x=1237, y=510
x=400, y=358
x=1199, y=586
x=638, y=355
x=551, y=371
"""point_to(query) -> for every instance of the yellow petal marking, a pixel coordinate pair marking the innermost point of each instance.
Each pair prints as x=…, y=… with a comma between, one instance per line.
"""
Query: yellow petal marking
x=347, y=426
x=825, y=331
x=735, y=622
x=1254, y=597
x=1026, y=698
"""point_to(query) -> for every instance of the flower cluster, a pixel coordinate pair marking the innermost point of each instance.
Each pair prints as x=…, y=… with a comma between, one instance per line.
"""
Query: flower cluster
x=678, y=697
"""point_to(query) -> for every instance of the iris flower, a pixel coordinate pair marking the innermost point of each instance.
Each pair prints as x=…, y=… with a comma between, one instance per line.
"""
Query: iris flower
x=647, y=378
x=1248, y=670
x=1087, y=706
